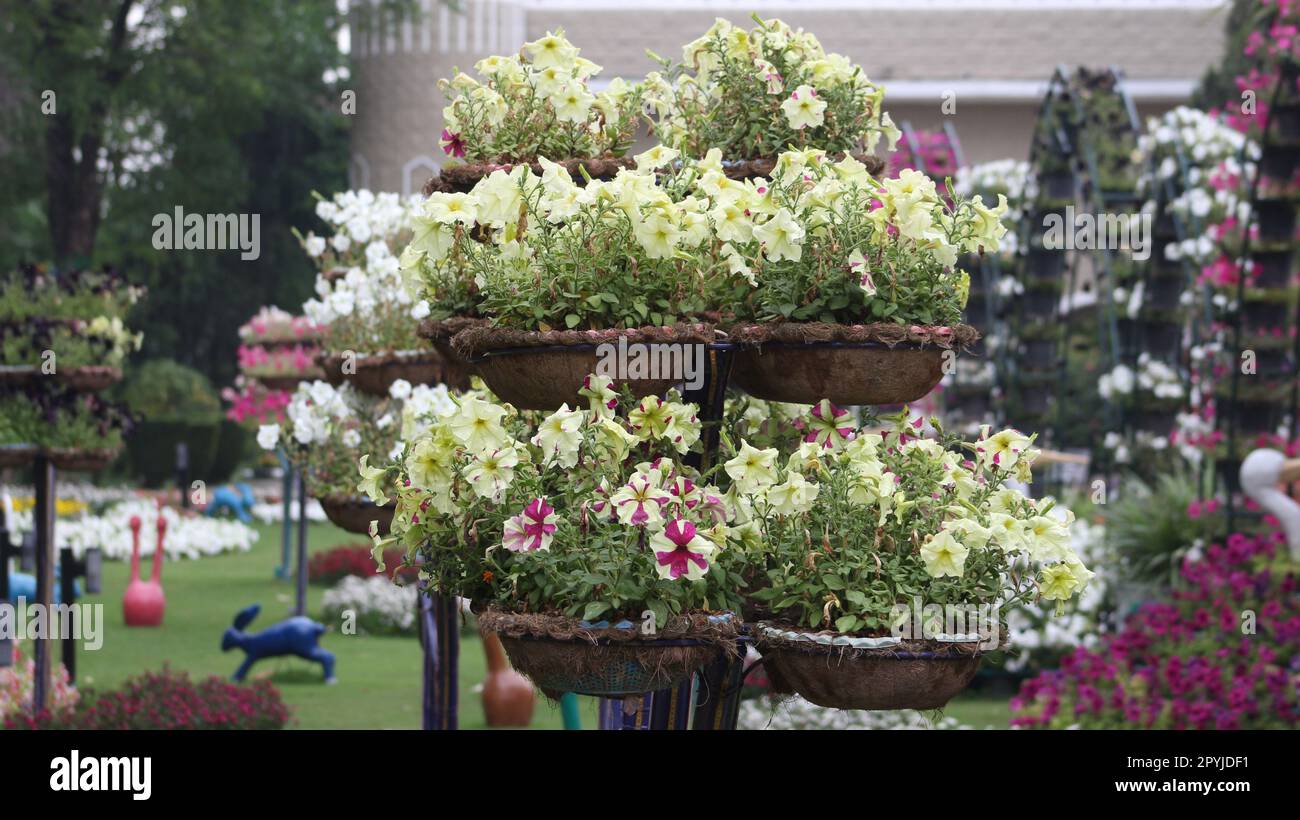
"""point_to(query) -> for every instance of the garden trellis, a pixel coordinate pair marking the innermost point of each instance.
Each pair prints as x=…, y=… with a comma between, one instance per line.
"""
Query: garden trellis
x=1266, y=316
x=1081, y=157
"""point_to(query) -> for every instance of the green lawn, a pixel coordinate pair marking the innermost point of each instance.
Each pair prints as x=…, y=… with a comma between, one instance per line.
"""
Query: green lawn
x=378, y=677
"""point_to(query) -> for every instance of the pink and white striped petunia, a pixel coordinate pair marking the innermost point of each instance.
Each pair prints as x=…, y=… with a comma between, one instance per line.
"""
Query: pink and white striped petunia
x=532, y=529
x=679, y=551
x=638, y=501
x=829, y=426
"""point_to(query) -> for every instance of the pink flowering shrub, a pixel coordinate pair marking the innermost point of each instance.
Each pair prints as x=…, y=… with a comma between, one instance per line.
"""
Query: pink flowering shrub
x=16, y=686
x=1191, y=663
x=168, y=700
x=251, y=402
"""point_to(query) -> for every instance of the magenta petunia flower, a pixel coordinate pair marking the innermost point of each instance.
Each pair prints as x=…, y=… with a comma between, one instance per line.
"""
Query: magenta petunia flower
x=680, y=551
x=532, y=529
x=452, y=144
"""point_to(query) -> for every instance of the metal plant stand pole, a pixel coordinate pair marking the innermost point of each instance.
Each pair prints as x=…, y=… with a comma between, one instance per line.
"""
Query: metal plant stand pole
x=283, y=571
x=440, y=642
x=704, y=702
x=300, y=607
x=43, y=523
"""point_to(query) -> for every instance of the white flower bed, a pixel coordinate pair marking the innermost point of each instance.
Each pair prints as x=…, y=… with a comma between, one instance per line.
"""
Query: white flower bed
x=378, y=604
x=187, y=536
x=797, y=713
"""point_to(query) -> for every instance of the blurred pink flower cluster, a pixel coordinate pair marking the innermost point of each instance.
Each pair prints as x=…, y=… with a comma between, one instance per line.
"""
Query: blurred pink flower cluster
x=250, y=401
x=1224, y=653
x=16, y=686
x=271, y=324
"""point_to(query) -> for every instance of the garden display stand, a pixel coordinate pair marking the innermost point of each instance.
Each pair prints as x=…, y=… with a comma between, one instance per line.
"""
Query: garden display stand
x=1048, y=330
x=1247, y=410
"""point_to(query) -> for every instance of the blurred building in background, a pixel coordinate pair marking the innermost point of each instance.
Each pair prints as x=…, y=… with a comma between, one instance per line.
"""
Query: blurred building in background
x=992, y=57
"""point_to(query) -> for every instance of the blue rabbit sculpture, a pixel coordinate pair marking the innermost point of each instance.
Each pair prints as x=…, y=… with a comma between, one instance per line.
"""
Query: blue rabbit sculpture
x=238, y=499
x=298, y=635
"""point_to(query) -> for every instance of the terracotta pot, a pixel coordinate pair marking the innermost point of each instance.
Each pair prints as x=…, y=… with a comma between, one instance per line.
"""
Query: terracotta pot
x=874, y=679
x=376, y=372
x=354, y=514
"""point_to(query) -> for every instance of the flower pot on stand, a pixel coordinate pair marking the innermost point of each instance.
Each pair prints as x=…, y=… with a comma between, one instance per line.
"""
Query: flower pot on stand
x=541, y=370
x=848, y=364
x=847, y=672
x=609, y=660
x=456, y=370
x=1279, y=162
x=374, y=373
x=354, y=513
x=1045, y=263
x=762, y=167
x=462, y=178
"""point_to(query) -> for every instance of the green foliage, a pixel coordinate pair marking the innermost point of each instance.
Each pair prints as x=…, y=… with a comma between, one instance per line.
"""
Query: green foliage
x=228, y=94
x=60, y=421
x=1149, y=528
x=729, y=92
x=164, y=390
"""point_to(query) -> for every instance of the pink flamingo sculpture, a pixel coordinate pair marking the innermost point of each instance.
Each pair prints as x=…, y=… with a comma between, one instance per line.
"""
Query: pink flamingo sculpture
x=144, y=601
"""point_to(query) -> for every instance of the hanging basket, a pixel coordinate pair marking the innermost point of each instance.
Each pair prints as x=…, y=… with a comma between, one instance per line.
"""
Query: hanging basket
x=354, y=513
x=80, y=459
x=376, y=372
x=456, y=370
x=462, y=178
x=90, y=378
x=840, y=672
x=742, y=169
x=568, y=655
x=287, y=383
x=847, y=364
x=18, y=455
x=541, y=370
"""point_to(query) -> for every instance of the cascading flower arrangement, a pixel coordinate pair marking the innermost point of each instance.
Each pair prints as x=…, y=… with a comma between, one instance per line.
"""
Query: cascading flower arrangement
x=327, y=426
x=586, y=523
x=1011, y=178
x=857, y=519
x=533, y=104
x=366, y=313
x=852, y=540
x=753, y=94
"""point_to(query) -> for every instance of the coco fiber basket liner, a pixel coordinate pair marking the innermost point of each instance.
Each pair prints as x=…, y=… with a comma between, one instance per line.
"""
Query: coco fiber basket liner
x=439, y=332
x=540, y=370
x=376, y=372
x=77, y=459
x=804, y=362
x=562, y=655
x=354, y=514
x=741, y=169
x=462, y=178
x=90, y=378
x=18, y=455
x=912, y=675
